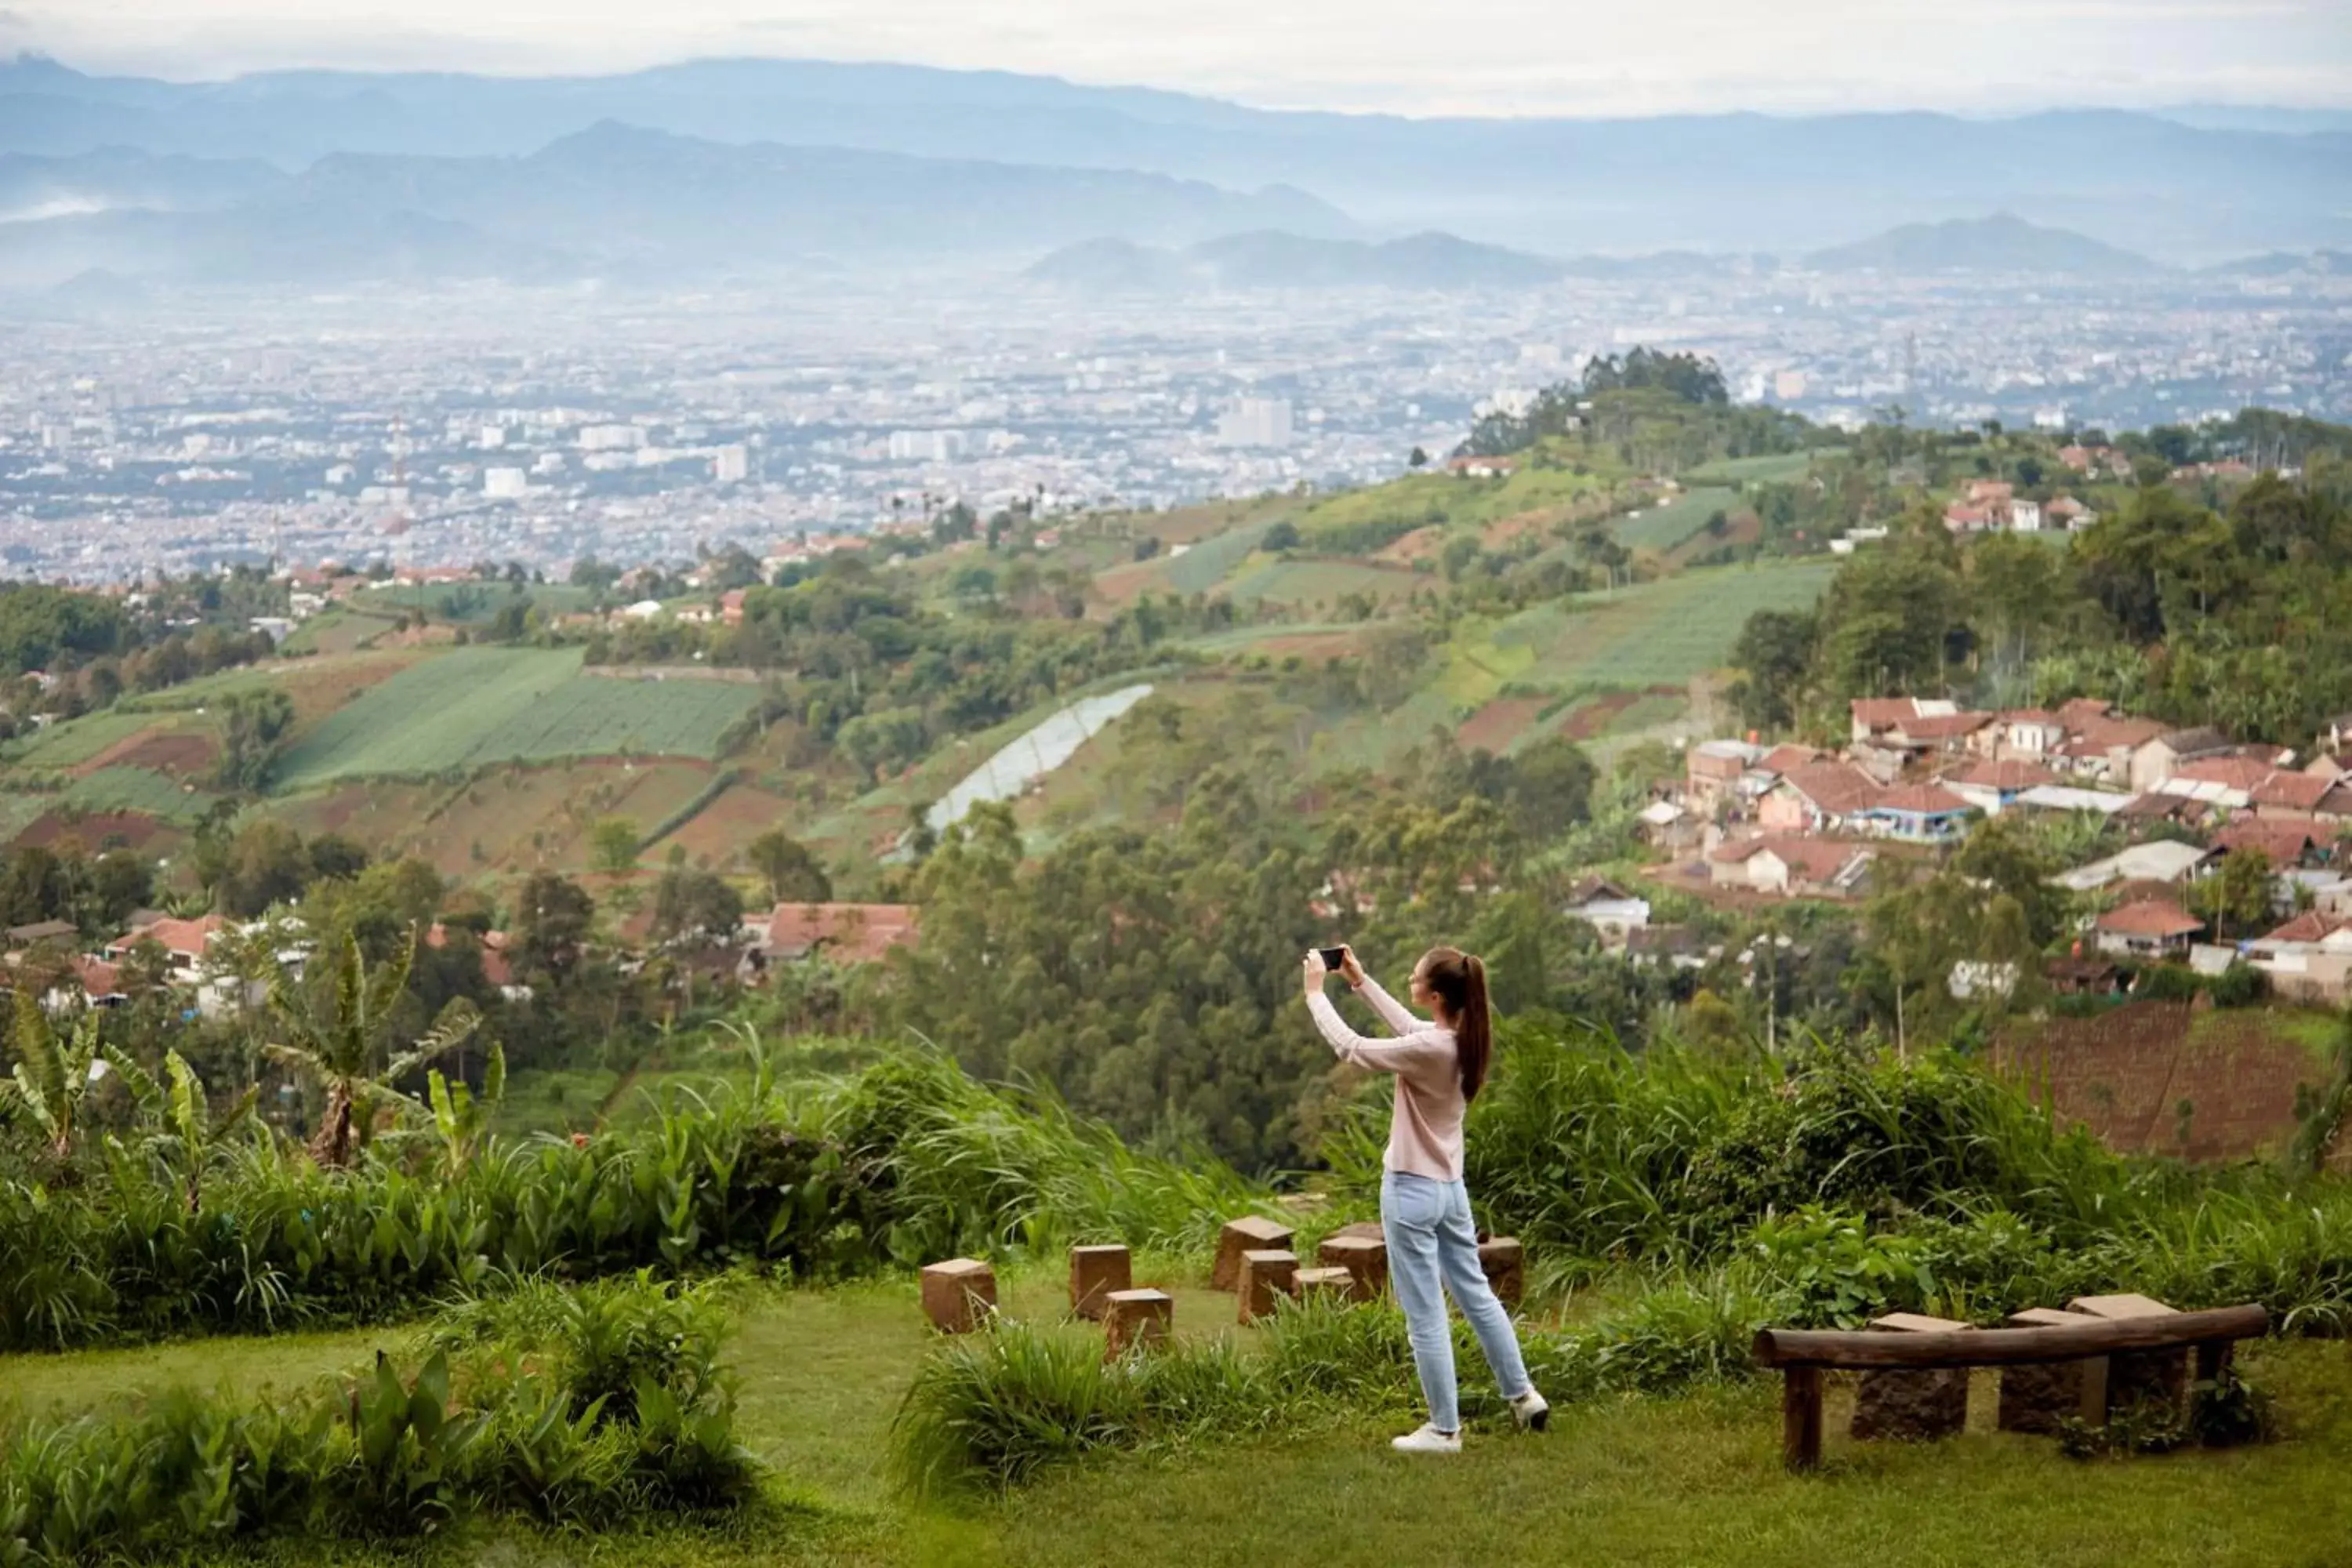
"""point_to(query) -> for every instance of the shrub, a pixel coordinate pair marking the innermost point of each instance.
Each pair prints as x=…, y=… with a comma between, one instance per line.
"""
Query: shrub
x=515, y=1427
x=908, y=1161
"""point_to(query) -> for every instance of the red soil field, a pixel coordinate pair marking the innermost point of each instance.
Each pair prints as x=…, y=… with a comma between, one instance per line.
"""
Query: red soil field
x=1497, y=724
x=135, y=830
x=2127, y=1073
x=177, y=754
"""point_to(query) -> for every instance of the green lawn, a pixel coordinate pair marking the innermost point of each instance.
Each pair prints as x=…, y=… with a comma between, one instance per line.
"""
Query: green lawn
x=1688, y=1480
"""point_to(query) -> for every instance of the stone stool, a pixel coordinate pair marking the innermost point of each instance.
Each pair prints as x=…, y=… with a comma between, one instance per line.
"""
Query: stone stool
x=1335, y=1283
x=1366, y=1259
x=1095, y=1273
x=2135, y=1376
x=1266, y=1273
x=1242, y=1234
x=1505, y=1262
x=1929, y=1403
x=958, y=1295
x=1136, y=1320
x=2038, y=1398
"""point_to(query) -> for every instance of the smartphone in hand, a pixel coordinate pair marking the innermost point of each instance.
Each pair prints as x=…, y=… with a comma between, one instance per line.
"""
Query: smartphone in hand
x=1333, y=957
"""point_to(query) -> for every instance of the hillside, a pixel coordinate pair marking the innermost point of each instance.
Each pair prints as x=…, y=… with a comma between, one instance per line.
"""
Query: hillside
x=2001, y=243
x=1272, y=259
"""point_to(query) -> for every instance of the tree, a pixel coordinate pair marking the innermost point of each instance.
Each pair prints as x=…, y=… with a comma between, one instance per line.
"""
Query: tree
x=1283, y=535
x=460, y=1118
x=612, y=845
x=549, y=926
x=336, y=1030
x=1550, y=789
x=265, y=864
x=694, y=906
x=2237, y=900
x=252, y=722
x=1775, y=654
x=793, y=876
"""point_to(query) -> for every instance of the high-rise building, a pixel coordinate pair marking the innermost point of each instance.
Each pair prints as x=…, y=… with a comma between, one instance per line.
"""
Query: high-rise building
x=730, y=465
x=1255, y=422
x=928, y=446
x=505, y=484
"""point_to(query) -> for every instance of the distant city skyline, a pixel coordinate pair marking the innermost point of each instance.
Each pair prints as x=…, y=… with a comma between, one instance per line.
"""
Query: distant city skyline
x=1488, y=58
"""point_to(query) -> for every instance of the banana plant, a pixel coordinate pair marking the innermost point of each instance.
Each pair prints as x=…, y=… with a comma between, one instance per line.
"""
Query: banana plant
x=339, y=1035
x=462, y=1120
x=53, y=1072
x=187, y=1133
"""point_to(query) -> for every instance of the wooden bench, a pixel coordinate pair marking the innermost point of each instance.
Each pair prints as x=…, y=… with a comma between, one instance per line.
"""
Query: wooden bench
x=1801, y=1355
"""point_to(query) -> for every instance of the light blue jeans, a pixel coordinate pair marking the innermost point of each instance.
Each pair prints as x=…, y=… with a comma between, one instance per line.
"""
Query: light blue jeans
x=1431, y=1241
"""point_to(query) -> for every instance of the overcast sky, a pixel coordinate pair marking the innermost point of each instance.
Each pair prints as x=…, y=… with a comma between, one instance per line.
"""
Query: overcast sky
x=1487, y=57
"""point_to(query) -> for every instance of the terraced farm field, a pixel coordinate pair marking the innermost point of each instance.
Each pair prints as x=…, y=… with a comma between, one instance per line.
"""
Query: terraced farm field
x=1319, y=582
x=139, y=790
x=77, y=740
x=1778, y=469
x=475, y=707
x=1664, y=526
x=1197, y=571
x=1660, y=634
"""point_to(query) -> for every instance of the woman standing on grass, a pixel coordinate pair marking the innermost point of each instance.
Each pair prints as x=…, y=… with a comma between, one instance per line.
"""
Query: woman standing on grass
x=1424, y=1207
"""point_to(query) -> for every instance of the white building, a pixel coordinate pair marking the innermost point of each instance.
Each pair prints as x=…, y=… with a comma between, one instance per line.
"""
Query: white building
x=928, y=446
x=730, y=465
x=1262, y=422
x=611, y=437
x=2025, y=516
x=505, y=484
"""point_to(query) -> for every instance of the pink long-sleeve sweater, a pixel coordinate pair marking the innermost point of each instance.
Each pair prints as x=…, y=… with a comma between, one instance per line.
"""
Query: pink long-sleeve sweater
x=1425, y=1128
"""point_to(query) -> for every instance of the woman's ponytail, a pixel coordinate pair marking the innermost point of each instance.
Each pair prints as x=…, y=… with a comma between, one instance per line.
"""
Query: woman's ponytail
x=1460, y=981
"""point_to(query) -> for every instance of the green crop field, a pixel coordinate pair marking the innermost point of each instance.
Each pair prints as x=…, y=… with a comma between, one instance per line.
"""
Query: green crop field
x=1659, y=633
x=76, y=741
x=479, y=706
x=1664, y=527
x=1778, y=469
x=138, y=789
x=1442, y=497
x=1315, y=581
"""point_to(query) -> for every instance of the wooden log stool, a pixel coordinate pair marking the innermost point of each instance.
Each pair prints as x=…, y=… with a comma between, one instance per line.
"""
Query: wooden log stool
x=1337, y=1284
x=1136, y=1320
x=1246, y=1233
x=1095, y=1273
x=958, y=1295
x=1366, y=1259
x=1930, y=1403
x=2131, y=1377
x=2038, y=1398
x=1266, y=1273
x=1370, y=1229
x=1505, y=1263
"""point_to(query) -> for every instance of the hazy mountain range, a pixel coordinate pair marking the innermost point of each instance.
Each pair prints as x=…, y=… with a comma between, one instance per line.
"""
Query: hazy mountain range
x=748, y=163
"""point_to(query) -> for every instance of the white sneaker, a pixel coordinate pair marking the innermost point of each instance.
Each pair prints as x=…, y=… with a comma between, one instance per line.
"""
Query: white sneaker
x=1531, y=1411
x=1427, y=1439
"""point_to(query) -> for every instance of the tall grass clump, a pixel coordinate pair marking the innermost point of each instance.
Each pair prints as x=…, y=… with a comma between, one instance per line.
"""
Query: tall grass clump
x=959, y=1167
x=549, y=1424
x=992, y=1411
x=908, y=1160
x=1580, y=1145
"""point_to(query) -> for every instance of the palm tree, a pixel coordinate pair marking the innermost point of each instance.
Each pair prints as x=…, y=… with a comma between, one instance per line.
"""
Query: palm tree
x=339, y=1037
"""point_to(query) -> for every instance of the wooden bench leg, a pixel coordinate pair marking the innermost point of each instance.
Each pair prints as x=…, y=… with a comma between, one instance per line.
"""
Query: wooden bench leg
x=1801, y=1417
x=2213, y=1359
